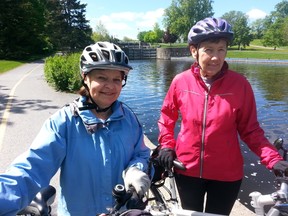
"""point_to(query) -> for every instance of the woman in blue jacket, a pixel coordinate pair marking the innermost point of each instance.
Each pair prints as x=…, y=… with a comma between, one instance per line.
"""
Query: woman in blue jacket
x=96, y=141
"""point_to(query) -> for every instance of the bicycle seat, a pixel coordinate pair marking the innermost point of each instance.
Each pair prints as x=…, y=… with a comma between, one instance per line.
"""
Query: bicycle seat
x=40, y=205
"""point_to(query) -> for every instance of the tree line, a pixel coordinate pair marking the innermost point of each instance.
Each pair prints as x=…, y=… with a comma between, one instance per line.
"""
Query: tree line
x=181, y=15
x=39, y=27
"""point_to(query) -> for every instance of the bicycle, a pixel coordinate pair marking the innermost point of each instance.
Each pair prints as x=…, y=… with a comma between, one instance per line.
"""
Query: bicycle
x=162, y=199
x=41, y=204
x=278, y=200
x=161, y=205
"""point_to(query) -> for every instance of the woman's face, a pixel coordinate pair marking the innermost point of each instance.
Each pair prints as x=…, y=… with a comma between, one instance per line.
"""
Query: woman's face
x=211, y=56
x=105, y=86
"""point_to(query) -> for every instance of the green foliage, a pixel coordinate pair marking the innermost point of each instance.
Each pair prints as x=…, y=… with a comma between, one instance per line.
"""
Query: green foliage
x=150, y=37
x=276, y=26
x=239, y=22
x=100, y=33
x=22, y=29
x=141, y=35
x=183, y=14
x=257, y=28
x=39, y=27
x=62, y=72
x=276, y=34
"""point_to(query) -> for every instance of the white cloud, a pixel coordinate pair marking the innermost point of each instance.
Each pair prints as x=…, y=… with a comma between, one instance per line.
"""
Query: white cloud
x=129, y=23
x=256, y=14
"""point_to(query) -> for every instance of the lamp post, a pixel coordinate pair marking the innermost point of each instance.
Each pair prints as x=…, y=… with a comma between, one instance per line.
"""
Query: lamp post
x=138, y=38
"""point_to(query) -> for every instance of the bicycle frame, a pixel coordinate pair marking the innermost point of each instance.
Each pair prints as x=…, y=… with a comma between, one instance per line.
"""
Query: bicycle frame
x=169, y=205
x=259, y=201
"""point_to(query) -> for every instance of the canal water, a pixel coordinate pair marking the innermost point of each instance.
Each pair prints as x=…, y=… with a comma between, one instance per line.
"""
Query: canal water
x=150, y=79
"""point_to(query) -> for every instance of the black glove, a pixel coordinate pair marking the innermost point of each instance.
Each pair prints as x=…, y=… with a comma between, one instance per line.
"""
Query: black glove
x=135, y=202
x=281, y=168
x=166, y=157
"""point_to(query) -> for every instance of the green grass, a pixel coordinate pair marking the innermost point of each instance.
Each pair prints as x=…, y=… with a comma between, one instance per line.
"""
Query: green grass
x=258, y=54
x=6, y=65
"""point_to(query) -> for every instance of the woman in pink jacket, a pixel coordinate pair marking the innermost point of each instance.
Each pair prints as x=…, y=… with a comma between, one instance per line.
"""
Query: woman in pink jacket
x=216, y=106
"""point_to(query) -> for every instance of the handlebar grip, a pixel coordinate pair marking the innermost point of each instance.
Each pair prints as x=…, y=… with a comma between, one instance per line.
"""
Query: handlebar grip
x=135, y=202
x=179, y=165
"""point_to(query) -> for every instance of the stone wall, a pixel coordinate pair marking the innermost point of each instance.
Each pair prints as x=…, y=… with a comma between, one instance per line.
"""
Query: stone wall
x=168, y=53
x=153, y=53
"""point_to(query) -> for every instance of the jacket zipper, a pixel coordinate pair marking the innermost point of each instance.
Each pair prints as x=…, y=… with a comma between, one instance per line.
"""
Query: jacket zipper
x=203, y=133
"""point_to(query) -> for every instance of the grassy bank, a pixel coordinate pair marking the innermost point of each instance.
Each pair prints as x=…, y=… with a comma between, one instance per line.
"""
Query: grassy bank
x=6, y=65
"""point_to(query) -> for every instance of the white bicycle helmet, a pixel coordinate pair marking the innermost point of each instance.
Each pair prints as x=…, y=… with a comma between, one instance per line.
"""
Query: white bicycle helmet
x=104, y=55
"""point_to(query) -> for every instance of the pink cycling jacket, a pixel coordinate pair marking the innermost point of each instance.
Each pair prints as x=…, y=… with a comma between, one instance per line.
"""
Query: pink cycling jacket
x=211, y=122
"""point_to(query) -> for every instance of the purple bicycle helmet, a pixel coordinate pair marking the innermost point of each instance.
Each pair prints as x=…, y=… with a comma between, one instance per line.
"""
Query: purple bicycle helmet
x=104, y=55
x=210, y=28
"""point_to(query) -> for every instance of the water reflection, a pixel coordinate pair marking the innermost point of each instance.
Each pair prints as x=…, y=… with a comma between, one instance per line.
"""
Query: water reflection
x=150, y=80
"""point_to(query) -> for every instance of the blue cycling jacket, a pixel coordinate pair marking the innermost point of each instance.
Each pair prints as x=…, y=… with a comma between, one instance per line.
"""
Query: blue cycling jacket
x=91, y=154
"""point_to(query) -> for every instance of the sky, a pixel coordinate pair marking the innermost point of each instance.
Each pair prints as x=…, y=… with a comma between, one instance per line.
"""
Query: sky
x=129, y=17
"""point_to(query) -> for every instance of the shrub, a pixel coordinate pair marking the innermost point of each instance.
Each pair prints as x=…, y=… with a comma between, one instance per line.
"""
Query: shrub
x=62, y=72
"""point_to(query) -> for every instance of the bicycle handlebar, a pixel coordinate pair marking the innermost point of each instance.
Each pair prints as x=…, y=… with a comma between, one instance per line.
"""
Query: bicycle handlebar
x=278, y=199
x=179, y=165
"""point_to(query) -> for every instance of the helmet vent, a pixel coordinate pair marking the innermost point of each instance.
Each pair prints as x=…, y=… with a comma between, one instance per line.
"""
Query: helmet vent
x=83, y=58
x=93, y=56
x=106, y=54
x=197, y=30
x=101, y=45
x=115, y=47
x=118, y=56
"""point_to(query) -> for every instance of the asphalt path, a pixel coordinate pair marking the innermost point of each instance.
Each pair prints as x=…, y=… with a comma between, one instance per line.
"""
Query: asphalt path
x=26, y=101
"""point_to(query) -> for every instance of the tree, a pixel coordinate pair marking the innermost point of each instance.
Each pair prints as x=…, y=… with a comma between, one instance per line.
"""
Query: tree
x=100, y=33
x=158, y=32
x=22, y=28
x=55, y=20
x=239, y=22
x=281, y=9
x=141, y=35
x=33, y=27
x=181, y=15
x=77, y=30
x=258, y=28
x=150, y=37
x=276, y=26
x=169, y=38
x=274, y=35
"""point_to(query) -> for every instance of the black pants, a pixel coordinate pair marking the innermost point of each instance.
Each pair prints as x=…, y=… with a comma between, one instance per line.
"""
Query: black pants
x=220, y=196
